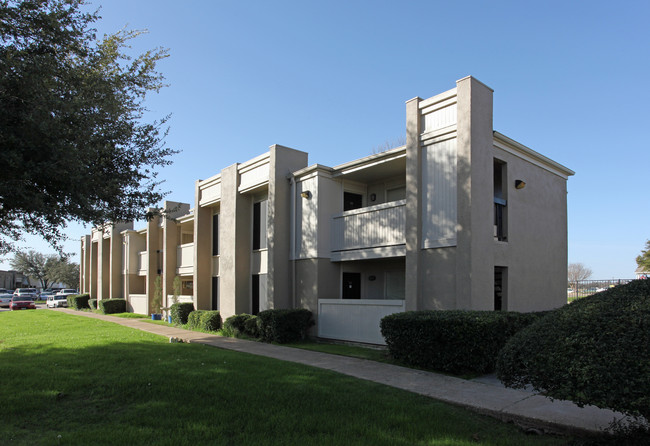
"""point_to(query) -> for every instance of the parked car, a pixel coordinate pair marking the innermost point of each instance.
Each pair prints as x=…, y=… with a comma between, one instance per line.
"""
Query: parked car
x=5, y=300
x=56, y=300
x=27, y=293
x=67, y=292
x=22, y=303
x=45, y=294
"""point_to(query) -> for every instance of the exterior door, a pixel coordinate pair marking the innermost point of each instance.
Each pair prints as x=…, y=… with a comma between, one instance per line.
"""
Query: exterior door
x=351, y=286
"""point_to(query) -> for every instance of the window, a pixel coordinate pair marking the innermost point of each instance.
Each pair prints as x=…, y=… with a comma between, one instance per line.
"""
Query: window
x=215, y=293
x=396, y=194
x=500, y=209
x=258, y=293
x=215, y=235
x=395, y=284
x=500, y=291
x=352, y=201
x=259, y=224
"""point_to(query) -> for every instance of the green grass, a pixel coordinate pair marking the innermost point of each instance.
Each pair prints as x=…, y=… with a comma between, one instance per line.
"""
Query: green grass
x=346, y=350
x=73, y=380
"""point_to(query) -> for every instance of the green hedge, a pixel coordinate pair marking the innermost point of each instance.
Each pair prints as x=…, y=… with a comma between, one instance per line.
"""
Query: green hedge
x=452, y=341
x=237, y=325
x=180, y=311
x=204, y=320
x=112, y=306
x=284, y=326
x=595, y=350
x=92, y=303
x=78, y=301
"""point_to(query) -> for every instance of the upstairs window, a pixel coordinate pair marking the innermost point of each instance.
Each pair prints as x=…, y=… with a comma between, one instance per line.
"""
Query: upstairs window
x=259, y=224
x=215, y=235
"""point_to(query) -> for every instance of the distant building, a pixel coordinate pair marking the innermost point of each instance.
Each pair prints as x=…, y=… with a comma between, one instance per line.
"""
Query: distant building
x=11, y=280
x=642, y=273
x=461, y=217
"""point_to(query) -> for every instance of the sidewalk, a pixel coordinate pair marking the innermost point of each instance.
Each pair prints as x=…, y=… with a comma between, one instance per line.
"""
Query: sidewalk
x=484, y=395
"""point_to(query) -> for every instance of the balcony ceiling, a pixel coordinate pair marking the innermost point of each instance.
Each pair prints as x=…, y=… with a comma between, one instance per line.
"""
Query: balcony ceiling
x=374, y=171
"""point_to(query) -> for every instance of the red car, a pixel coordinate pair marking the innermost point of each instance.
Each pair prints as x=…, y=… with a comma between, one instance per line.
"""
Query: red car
x=22, y=303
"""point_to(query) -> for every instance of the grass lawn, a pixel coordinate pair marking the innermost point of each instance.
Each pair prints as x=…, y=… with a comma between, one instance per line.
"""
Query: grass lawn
x=73, y=380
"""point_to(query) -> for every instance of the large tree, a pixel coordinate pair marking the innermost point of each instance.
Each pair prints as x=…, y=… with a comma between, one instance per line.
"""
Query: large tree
x=47, y=269
x=74, y=144
x=644, y=259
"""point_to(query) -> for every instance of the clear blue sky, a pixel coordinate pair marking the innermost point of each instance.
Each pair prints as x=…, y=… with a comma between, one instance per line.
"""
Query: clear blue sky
x=331, y=78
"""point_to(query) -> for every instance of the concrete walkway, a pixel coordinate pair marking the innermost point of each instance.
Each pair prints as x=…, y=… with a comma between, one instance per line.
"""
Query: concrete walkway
x=484, y=395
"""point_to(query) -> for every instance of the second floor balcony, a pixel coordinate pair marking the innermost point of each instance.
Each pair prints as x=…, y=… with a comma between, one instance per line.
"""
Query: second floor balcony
x=143, y=261
x=370, y=232
x=185, y=259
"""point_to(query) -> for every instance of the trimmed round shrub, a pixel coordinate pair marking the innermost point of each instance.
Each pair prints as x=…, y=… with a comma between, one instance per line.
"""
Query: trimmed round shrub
x=92, y=303
x=236, y=324
x=180, y=312
x=252, y=326
x=112, y=306
x=451, y=341
x=595, y=350
x=78, y=301
x=284, y=326
x=211, y=320
x=194, y=319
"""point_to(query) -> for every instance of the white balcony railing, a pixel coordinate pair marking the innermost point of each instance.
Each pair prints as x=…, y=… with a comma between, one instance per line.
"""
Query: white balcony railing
x=185, y=258
x=370, y=227
x=142, y=263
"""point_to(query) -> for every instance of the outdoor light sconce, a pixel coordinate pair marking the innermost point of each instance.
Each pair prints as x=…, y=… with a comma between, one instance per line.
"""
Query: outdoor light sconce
x=520, y=184
x=306, y=194
x=373, y=197
x=372, y=278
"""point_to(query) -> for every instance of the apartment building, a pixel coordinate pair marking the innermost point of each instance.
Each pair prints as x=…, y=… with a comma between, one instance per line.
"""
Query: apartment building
x=461, y=217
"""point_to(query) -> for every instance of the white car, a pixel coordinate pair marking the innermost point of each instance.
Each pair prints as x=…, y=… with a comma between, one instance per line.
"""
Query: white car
x=55, y=301
x=66, y=292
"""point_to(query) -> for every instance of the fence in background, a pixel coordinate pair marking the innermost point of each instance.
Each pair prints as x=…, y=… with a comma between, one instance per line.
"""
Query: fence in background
x=583, y=288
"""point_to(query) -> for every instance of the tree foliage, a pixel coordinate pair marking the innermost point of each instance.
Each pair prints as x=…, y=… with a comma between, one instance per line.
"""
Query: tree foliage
x=643, y=260
x=73, y=142
x=47, y=269
x=577, y=272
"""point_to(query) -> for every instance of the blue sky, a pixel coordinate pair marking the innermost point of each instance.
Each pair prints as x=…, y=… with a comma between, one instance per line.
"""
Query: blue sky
x=332, y=78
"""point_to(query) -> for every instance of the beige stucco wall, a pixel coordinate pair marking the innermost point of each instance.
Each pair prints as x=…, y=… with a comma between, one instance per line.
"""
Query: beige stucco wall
x=474, y=260
x=316, y=278
x=536, y=251
x=234, y=246
x=283, y=161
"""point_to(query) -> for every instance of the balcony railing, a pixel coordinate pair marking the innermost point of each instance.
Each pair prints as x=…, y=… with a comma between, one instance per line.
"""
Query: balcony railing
x=370, y=227
x=142, y=263
x=185, y=258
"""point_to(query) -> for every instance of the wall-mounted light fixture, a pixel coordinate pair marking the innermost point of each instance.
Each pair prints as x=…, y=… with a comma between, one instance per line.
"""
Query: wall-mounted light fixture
x=372, y=278
x=373, y=197
x=520, y=184
x=306, y=194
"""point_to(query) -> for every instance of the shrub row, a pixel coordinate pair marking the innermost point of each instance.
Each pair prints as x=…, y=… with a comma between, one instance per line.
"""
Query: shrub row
x=204, y=320
x=92, y=303
x=78, y=301
x=279, y=326
x=180, y=312
x=112, y=306
x=595, y=350
x=452, y=341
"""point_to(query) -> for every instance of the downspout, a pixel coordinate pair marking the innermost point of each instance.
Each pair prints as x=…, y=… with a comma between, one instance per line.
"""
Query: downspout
x=292, y=242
